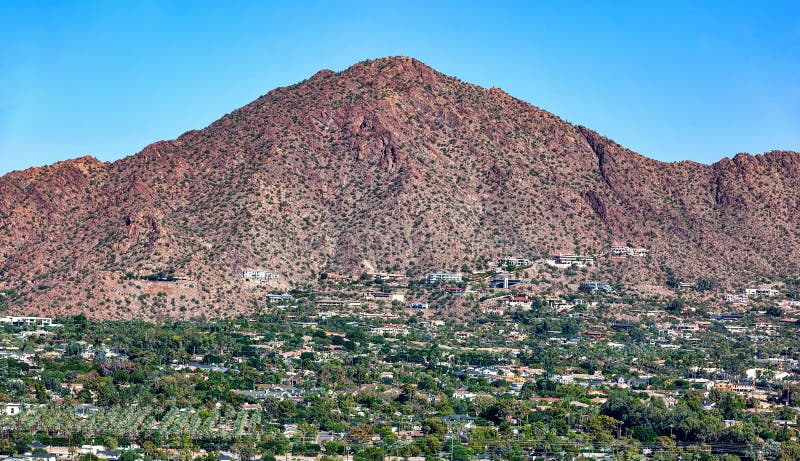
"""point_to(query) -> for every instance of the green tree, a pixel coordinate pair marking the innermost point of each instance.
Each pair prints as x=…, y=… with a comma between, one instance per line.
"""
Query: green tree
x=369, y=454
x=7, y=447
x=434, y=426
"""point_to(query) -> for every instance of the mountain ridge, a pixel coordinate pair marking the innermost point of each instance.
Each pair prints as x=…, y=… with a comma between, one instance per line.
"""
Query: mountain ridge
x=387, y=164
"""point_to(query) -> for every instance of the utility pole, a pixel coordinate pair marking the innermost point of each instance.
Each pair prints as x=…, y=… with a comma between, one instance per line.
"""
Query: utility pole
x=450, y=433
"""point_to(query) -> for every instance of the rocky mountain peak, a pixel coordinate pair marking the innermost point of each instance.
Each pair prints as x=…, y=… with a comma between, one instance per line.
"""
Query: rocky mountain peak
x=388, y=164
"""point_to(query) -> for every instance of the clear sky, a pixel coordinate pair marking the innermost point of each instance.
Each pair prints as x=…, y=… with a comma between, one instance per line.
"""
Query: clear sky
x=671, y=80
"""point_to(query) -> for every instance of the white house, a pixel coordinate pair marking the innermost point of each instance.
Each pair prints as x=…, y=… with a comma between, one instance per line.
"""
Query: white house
x=435, y=277
x=20, y=321
x=260, y=275
x=11, y=409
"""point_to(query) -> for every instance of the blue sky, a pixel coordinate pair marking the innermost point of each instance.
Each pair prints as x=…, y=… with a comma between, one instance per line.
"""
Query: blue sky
x=671, y=80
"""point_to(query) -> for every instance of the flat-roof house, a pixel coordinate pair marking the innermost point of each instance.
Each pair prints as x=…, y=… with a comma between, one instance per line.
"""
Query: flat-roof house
x=504, y=282
x=594, y=287
x=20, y=321
x=389, y=329
x=436, y=277
x=520, y=301
x=517, y=261
x=282, y=297
x=569, y=258
x=736, y=299
x=619, y=248
x=259, y=275
x=337, y=303
x=11, y=408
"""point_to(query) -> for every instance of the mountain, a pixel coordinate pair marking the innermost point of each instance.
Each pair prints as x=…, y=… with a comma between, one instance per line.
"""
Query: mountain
x=388, y=165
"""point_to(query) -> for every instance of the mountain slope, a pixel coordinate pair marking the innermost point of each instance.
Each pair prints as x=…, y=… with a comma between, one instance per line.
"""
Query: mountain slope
x=388, y=164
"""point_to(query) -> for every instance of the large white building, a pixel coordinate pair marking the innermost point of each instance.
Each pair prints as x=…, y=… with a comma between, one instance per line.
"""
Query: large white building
x=517, y=261
x=20, y=321
x=566, y=259
x=261, y=275
x=444, y=277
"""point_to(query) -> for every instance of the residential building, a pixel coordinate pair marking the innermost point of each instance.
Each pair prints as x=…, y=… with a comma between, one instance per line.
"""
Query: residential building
x=11, y=408
x=595, y=287
x=516, y=261
x=387, y=276
x=736, y=299
x=258, y=275
x=277, y=298
x=436, y=277
x=391, y=329
x=569, y=259
x=20, y=321
x=516, y=301
x=337, y=303
x=504, y=282
x=619, y=248
x=622, y=249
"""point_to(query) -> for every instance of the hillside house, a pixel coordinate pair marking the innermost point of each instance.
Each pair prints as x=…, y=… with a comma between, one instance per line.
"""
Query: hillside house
x=741, y=387
x=493, y=310
x=593, y=335
x=337, y=304
x=464, y=394
x=622, y=249
x=504, y=282
x=736, y=299
x=731, y=317
x=760, y=292
x=516, y=301
x=277, y=298
x=387, y=276
x=556, y=303
x=619, y=248
x=596, y=287
x=258, y=275
x=568, y=259
x=736, y=329
x=516, y=261
x=23, y=321
x=456, y=291
x=432, y=325
x=389, y=329
x=437, y=277
x=389, y=297
x=11, y=409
